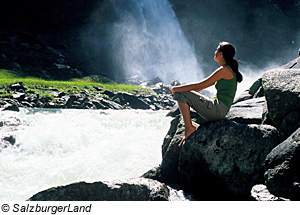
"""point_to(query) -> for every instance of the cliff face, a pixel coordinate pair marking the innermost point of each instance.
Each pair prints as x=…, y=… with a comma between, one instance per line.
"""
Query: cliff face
x=58, y=24
x=258, y=29
x=47, y=14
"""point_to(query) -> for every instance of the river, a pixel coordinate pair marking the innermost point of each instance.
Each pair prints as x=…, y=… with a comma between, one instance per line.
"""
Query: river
x=59, y=147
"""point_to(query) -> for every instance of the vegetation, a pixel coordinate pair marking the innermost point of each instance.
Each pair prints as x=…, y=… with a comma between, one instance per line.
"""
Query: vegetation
x=72, y=86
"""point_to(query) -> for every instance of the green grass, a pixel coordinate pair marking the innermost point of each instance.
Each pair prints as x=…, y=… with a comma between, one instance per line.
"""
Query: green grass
x=42, y=86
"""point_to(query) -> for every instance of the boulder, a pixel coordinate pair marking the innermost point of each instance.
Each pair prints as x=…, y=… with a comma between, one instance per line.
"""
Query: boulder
x=125, y=98
x=18, y=96
x=295, y=64
x=244, y=96
x=109, y=104
x=289, y=124
x=99, y=105
x=282, y=92
x=170, y=151
x=247, y=112
x=11, y=107
x=19, y=86
x=255, y=87
x=6, y=140
x=223, y=156
x=108, y=93
x=154, y=173
x=227, y=155
x=259, y=93
x=72, y=101
x=174, y=111
x=260, y=192
x=137, y=189
x=154, y=81
x=282, y=176
x=255, y=91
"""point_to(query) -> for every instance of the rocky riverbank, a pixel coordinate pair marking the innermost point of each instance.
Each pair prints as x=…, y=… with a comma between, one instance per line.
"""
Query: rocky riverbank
x=251, y=155
x=95, y=98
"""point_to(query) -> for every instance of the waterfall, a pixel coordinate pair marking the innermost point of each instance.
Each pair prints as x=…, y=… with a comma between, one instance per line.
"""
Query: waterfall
x=147, y=41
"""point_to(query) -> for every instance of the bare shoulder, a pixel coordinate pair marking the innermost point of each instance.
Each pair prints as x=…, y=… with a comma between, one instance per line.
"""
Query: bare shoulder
x=222, y=71
x=226, y=72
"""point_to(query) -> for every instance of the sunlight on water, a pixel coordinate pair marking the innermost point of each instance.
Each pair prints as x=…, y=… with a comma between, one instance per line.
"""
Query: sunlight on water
x=64, y=146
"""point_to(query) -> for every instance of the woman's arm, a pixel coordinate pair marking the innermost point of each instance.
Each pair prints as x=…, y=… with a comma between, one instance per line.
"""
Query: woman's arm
x=217, y=75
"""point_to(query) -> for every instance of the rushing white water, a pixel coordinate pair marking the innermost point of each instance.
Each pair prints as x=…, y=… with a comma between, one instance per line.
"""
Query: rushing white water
x=58, y=147
x=149, y=42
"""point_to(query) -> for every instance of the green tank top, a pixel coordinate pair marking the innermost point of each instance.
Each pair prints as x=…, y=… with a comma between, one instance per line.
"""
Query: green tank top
x=226, y=90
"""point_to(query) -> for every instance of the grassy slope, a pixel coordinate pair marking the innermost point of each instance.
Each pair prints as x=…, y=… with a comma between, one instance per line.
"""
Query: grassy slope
x=41, y=86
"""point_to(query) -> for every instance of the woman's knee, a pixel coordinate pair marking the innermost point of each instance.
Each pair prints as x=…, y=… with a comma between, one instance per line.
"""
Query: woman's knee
x=180, y=96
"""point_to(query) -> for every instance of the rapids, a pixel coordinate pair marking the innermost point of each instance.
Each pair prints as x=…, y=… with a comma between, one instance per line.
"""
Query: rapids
x=59, y=147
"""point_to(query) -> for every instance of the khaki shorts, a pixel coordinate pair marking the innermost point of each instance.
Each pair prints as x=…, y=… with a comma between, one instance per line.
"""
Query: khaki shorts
x=208, y=109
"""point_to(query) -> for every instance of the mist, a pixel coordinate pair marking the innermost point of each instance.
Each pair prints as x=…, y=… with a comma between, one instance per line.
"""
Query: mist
x=264, y=32
x=143, y=38
x=177, y=39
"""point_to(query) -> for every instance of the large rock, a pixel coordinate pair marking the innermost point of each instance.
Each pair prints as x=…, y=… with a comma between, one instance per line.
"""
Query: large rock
x=255, y=91
x=282, y=92
x=260, y=192
x=170, y=151
x=131, y=100
x=289, y=124
x=11, y=107
x=282, y=174
x=135, y=189
x=247, y=112
x=295, y=64
x=102, y=103
x=222, y=156
x=244, y=96
x=139, y=189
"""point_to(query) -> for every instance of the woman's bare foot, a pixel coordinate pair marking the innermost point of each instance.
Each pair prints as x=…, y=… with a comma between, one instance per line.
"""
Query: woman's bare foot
x=187, y=133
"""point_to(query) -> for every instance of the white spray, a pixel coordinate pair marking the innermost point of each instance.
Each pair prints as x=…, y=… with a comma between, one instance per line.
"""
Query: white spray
x=149, y=42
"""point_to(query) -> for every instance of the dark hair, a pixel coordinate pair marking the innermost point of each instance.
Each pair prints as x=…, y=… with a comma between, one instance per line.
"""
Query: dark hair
x=228, y=51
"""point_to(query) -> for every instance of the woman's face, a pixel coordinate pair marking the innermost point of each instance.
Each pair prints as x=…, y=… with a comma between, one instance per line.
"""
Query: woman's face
x=218, y=54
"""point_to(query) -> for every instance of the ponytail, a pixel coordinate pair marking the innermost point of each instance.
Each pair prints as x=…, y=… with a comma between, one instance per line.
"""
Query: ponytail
x=228, y=51
x=234, y=65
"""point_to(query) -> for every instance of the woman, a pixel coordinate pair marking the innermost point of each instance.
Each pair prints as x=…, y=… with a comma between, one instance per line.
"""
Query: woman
x=225, y=79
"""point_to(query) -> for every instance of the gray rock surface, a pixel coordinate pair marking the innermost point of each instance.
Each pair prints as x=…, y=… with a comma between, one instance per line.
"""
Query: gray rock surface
x=260, y=192
x=294, y=64
x=255, y=91
x=222, y=156
x=282, y=175
x=282, y=92
x=247, y=112
x=135, y=189
x=131, y=100
x=289, y=124
x=244, y=96
x=226, y=155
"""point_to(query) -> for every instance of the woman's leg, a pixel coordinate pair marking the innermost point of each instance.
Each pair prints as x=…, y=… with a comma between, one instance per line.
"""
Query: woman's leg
x=186, y=114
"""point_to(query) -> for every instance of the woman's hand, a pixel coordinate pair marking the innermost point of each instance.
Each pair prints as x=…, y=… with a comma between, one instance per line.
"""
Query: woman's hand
x=172, y=91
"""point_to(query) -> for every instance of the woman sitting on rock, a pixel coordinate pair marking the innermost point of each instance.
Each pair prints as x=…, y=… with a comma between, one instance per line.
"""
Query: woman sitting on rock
x=225, y=79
